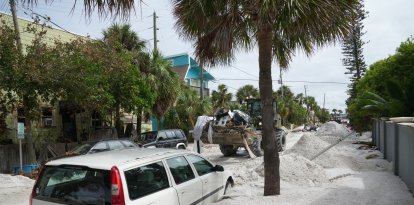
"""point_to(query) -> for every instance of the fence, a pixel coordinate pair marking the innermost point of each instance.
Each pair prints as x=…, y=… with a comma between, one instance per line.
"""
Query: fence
x=9, y=155
x=396, y=142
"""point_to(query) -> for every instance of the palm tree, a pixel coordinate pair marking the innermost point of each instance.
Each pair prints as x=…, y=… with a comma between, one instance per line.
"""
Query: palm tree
x=221, y=97
x=121, y=37
x=280, y=28
x=247, y=91
x=167, y=85
x=124, y=35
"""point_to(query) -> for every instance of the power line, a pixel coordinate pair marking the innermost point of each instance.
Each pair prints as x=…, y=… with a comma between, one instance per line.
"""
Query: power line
x=243, y=71
x=226, y=85
x=289, y=81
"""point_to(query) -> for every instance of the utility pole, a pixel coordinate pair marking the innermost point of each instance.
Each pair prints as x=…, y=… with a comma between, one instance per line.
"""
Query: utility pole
x=16, y=26
x=155, y=30
x=281, y=82
x=323, y=108
x=201, y=81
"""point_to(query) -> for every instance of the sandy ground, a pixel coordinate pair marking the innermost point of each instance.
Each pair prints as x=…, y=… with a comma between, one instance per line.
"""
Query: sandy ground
x=342, y=175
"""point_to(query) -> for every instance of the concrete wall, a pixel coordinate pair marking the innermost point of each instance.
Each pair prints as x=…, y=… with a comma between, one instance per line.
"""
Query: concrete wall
x=396, y=142
x=382, y=136
x=406, y=154
x=390, y=141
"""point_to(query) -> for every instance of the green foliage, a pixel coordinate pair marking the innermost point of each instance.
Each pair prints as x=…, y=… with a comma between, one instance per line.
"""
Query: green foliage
x=387, y=88
x=221, y=97
x=186, y=110
x=352, y=49
x=247, y=91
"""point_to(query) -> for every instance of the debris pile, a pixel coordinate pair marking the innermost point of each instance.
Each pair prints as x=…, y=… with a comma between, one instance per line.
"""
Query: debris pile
x=332, y=132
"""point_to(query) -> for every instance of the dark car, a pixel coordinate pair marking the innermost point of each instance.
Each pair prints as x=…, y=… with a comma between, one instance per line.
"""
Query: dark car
x=174, y=138
x=100, y=146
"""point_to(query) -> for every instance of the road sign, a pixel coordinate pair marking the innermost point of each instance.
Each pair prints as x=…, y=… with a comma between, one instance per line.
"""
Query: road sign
x=20, y=130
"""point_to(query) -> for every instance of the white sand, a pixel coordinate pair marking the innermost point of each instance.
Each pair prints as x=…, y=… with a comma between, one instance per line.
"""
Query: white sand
x=340, y=176
x=15, y=189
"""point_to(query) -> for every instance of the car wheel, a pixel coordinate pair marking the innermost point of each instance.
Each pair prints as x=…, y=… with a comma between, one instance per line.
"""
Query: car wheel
x=181, y=147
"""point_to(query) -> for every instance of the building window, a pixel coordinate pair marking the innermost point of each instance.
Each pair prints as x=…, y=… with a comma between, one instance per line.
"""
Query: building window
x=188, y=81
x=195, y=82
x=47, y=116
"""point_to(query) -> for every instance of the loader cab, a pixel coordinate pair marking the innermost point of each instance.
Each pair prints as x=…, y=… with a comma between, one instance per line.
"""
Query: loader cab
x=254, y=109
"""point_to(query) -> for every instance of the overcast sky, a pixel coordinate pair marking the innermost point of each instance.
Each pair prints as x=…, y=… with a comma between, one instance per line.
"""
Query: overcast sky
x=388, y=24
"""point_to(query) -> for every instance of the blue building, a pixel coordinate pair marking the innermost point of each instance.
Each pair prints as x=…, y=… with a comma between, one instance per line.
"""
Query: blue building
x=189, y=71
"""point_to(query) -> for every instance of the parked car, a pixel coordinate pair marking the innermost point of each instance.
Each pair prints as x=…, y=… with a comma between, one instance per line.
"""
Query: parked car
x=174, y=138
x=102, y=145
x=147, y=176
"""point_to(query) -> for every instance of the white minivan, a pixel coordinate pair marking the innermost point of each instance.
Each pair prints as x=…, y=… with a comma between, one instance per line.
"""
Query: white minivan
x=131, y=176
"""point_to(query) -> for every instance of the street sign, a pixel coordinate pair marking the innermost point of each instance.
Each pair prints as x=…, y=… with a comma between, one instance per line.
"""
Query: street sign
x=20, y=130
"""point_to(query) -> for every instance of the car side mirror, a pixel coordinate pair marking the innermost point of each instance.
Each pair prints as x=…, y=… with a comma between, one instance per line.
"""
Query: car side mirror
x=217, y=168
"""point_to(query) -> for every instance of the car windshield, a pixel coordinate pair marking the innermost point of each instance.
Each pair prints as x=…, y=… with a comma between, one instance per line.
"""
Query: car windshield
x=149, y=136
x=74, y=185
x=82, y=149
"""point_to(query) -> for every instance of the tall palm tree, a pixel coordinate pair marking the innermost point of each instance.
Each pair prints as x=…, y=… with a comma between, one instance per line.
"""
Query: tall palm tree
x=280, y=28
x=247, y=91
x=167, y=85
x=121, y=37
x=221, y=97
x=124, y=35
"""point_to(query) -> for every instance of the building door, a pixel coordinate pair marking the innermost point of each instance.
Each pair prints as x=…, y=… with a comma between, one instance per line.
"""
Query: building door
x=69, y=126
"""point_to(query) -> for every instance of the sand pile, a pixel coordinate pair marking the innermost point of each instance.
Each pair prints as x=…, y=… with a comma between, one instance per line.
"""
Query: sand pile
x=298, y=170
x=332, y=132
x=12, y=181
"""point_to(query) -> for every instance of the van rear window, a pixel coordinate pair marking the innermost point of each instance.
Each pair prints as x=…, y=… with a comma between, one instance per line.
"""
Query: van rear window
x=74, y=185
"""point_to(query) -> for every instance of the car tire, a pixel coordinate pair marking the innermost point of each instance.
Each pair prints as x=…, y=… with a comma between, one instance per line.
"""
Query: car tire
x=182, y=147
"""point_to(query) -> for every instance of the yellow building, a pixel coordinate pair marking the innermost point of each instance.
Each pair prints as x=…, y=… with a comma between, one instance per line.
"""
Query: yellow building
x=65, y=121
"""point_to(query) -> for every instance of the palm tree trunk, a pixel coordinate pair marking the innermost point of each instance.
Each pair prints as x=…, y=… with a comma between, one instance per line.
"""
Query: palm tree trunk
x=271, y=156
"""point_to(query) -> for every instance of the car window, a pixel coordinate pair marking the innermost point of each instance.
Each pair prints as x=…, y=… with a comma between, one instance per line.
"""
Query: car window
x=180, y=169
x=170, y=134
x=128, y=143
x=74, y=185
x=201, y=165
x=179, y=134
x=162, y=136
x=149, y=136
x=146, y=180
x=82, y=149
x=99, y=147
x=115, y=145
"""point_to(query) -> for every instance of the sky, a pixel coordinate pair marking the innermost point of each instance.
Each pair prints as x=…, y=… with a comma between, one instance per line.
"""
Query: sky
x=388, y=24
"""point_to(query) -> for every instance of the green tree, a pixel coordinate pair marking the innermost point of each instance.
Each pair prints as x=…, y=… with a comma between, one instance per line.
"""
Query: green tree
x=167, y=85
x=279, y=28
x=247, y=91
x=22, y=78
x=124, y=83
x=221, y=97
x=352, y=49
x=386, y=89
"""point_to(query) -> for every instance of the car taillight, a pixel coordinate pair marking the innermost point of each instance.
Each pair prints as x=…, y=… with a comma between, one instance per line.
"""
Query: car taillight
x=116, y=187
x=34, y=194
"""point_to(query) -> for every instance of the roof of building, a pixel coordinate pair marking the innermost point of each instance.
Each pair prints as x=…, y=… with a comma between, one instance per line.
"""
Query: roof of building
x=120, y=158
x=187, y=67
